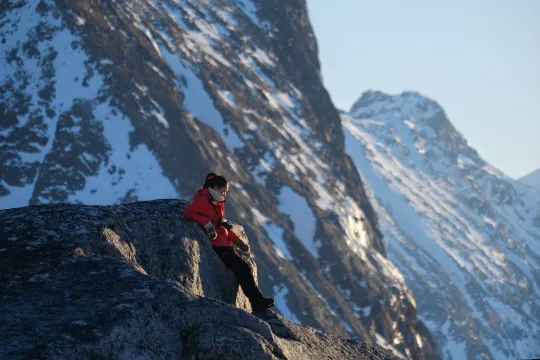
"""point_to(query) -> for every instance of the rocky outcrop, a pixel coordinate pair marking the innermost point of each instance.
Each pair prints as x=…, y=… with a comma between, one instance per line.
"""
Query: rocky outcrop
x=134, y=282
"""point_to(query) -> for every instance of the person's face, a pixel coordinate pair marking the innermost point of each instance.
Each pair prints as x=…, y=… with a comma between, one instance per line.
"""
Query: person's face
x=222, y=190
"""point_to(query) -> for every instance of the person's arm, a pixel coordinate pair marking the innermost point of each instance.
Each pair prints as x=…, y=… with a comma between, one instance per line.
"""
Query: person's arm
x=194, y=212
x=225, y=223
x=241, y=244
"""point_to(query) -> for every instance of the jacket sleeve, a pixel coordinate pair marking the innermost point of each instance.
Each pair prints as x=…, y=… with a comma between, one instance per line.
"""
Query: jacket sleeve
x=233, y=237
x=194, y=212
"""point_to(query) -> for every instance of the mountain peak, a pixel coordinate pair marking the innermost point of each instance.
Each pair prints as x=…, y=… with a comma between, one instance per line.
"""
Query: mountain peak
x=409, y=106
x=374, y=101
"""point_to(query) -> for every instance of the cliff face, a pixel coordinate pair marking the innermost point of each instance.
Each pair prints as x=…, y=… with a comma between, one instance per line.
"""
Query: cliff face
x=134, y=281
x=111, y=102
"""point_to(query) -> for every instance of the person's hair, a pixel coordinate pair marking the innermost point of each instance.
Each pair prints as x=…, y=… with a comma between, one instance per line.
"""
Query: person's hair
x=214, y=180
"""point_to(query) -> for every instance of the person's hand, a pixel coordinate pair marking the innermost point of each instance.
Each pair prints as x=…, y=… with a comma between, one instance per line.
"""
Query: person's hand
x=210, y=230
x=242, y=245
x=226, y=224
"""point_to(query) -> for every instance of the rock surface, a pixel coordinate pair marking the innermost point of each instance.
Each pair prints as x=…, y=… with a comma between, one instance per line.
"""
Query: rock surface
x=134, y=282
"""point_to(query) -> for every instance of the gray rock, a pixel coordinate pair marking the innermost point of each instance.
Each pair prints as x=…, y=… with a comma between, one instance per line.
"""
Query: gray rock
x=134, y=282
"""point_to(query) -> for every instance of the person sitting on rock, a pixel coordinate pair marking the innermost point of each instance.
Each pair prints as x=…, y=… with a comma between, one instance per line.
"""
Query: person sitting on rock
x=208, y=210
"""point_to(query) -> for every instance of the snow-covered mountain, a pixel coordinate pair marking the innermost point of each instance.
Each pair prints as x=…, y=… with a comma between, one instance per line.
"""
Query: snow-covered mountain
x=108, y=102
x=532, y=179
x=465, y=236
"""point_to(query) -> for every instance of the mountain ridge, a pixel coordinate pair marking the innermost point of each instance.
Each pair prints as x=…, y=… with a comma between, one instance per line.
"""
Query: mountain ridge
x=464, y=235
x=531, y=179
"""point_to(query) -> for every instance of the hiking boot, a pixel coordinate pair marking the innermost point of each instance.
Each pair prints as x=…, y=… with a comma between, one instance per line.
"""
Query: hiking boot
x=263, y=304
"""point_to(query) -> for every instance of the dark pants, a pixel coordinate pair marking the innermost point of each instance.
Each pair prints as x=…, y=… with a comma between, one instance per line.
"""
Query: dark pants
x=241, y=270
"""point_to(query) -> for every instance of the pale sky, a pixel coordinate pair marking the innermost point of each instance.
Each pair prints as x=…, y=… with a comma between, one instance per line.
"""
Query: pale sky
x=480, y=59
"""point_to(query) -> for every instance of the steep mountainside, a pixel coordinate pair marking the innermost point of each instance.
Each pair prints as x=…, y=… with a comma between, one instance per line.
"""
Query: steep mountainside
x=109, y=102
x=118, y=284
x=465, y=236
x=533, y=179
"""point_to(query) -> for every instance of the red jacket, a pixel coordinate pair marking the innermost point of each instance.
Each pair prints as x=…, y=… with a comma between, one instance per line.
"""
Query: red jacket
x=204, y=208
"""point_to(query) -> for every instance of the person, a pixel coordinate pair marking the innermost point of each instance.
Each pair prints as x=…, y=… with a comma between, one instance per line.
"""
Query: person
x=208, y=210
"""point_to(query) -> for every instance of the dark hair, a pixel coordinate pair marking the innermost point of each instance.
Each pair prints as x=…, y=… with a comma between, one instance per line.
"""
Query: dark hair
x=212, y=180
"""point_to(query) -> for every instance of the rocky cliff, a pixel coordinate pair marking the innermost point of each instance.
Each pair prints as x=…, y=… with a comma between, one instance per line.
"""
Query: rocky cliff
x=111, y=102
x=134, y=282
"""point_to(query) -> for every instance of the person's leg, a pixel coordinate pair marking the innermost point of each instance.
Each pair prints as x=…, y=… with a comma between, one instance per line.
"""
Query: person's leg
x=245, y=278
x=241, y=270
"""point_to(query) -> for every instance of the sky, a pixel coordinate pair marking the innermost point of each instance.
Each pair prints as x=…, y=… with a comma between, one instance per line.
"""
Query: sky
x=479, y=59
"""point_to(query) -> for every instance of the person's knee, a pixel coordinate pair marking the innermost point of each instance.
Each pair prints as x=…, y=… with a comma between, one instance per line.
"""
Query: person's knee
x=244, y=267
x=240, y=265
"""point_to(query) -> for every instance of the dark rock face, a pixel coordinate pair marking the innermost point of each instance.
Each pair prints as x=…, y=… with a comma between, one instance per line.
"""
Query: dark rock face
x=115, y=102
x=134, y=281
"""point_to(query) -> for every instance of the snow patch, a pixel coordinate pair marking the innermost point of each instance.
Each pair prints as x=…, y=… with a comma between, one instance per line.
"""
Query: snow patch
x=79, y=20
x=70, y=66
x=302, y=217
x=160, y=118
x=381, y=341
x=276, y=236
x=136, y=172
x=249, y=8
x=259, y=216
x=198, y=102
x=280, y=294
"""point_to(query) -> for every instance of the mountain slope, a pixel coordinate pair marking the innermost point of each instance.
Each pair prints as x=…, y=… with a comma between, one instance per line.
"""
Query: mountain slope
x=532, y=179
x=112, y=102
x=465, y=236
